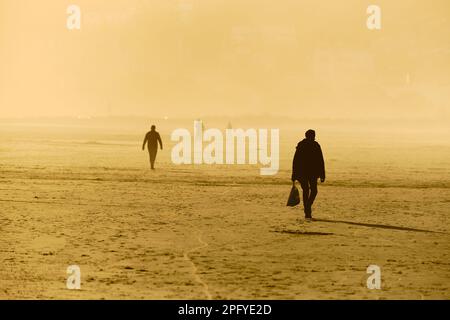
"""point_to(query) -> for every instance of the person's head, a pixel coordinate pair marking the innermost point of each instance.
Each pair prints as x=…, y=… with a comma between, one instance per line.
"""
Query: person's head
x=153, y=127
x=310, y=134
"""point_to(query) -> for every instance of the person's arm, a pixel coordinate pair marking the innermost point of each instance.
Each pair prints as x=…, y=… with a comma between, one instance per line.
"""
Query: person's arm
x=160, y=141
x=295, y=162
x=145, y=141
x=321, y=165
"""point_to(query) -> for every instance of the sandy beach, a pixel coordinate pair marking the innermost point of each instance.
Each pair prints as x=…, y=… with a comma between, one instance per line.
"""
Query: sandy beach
x=218, y=232
x=82, y=83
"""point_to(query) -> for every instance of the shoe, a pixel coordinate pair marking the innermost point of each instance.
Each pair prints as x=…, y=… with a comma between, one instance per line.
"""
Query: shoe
x=308, y=211
x=309, y=219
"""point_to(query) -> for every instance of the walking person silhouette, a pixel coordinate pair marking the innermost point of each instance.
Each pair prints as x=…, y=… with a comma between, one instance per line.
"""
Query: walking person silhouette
x=307, y=167
x=152, y=138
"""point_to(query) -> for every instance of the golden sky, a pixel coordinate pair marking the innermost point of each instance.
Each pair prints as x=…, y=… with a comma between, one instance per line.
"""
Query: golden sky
x=309, y=58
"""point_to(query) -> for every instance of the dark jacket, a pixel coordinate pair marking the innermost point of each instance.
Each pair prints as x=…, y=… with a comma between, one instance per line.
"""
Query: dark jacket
x=308, y=161
x=152, y=138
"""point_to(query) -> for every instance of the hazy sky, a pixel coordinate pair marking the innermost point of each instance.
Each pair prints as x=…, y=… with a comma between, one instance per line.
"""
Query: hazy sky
x=173, y=58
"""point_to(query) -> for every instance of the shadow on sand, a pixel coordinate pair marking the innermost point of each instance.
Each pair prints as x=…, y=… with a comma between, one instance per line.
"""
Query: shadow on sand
x=381, y=226
x=304, y=233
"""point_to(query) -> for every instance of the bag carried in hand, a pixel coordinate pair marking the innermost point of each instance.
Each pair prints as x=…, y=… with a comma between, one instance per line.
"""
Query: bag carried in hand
x=294, y=197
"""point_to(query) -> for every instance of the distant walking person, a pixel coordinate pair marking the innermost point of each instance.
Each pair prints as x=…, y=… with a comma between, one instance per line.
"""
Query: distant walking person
x=152, y=138
x=307, y=167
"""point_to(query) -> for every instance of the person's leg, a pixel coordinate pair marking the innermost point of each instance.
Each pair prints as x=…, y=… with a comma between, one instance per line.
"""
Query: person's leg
x=153, y=157
x=313, y=194
x=313, y=187
x=305, y=187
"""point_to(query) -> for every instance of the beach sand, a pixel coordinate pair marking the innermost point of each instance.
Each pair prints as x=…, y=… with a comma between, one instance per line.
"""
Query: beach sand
x=219, y=232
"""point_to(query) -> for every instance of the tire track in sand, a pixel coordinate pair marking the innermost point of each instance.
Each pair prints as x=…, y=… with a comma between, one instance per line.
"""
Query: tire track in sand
x=194, y=266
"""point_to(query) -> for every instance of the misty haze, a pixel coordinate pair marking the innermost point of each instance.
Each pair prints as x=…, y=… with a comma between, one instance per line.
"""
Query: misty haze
x=76, y=186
